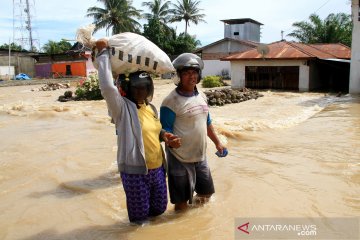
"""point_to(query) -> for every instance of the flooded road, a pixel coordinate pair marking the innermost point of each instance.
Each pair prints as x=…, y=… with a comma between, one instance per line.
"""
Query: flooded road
x=290, y=155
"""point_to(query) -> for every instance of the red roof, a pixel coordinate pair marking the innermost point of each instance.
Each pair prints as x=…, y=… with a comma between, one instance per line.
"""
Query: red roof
x=284, y=50
x=339, y=50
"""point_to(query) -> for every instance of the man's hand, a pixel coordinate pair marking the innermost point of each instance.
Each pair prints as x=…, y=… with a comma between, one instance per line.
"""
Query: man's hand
x=221, y=150
x=172, y=140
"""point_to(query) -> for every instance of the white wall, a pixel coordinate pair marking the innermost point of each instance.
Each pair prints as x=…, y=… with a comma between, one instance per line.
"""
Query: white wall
x=7, y=73
x=354, y=86
x=238, y=71
x=214, y=67
x=304, y=78
x=90, y=68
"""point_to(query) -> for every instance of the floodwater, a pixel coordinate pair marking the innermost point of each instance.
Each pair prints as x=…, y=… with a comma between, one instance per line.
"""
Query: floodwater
x=290, y=155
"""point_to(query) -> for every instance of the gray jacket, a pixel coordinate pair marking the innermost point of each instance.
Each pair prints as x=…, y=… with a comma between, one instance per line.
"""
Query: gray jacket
x=130, y=153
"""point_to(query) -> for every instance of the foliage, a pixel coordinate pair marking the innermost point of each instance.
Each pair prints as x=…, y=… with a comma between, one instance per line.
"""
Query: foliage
x=187, y=10
x=89, y=89
x=211, y=81
x=336, y=28
x=53, y=47
x=159, y=35
x=13, y=46
x=158, y=11
x=167, y=40
x=118, y=15
x=185, y=43
x=157, y=31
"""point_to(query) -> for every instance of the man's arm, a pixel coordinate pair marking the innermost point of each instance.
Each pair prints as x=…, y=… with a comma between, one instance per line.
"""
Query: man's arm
x=167, y=119
x=212, y=135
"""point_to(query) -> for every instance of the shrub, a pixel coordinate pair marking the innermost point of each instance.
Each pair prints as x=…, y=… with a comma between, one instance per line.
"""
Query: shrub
x=211, y=81
x=89, y=89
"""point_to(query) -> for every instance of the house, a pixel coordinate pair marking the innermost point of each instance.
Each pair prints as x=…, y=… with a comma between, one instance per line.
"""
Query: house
x=20, y=62
x=76, y=62
x=292, y=66
x=239, y=35
x=354, y=86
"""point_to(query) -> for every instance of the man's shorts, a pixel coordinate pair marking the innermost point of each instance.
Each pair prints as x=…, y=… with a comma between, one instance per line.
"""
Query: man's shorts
x=185, y=178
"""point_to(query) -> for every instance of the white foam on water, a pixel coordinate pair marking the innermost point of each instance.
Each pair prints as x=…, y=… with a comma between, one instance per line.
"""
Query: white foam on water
x=288, y=111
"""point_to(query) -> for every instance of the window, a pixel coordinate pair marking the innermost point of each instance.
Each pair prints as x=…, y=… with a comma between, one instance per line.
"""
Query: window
x=237, y=33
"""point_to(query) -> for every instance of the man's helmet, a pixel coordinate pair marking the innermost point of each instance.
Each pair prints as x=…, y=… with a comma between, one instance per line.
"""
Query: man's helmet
x=186, y=61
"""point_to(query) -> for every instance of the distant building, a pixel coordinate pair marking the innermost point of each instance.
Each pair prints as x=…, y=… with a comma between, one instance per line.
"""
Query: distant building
x=354, y=86
x=20, y=62
x=239, y=35
x=76, y=62
x=292, y=66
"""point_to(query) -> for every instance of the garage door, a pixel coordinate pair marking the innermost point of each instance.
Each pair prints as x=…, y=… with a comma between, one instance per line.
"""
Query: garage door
x=264, y=77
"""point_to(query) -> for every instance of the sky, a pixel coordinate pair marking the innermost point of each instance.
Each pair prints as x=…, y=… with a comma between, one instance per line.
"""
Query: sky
x=56, y=20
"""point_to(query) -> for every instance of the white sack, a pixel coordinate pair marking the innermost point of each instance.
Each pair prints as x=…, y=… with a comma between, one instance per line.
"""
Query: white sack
x=130, y=52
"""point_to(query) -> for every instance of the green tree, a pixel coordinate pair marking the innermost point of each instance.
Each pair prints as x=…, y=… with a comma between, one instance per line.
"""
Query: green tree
x=159, y=11
x=157, y=30
x=118, y=15
x=189, y=11
x=185, y=43
x=159, y=34
x=167, y=40
x=13, y=46
x=53, y=47
x=335, y=28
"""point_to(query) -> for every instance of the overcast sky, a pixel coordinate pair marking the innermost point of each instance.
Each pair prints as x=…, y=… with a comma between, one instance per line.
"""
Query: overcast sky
x=54, y=19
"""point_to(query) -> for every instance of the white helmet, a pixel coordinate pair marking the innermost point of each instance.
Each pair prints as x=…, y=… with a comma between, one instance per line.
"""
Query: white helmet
x=187, y=60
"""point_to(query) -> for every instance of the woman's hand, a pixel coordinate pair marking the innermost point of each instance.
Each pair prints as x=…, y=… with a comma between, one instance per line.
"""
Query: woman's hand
x=101, y=44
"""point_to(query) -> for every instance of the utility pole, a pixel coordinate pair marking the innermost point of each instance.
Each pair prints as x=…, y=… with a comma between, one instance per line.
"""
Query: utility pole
x=28, y=26
x=9, y=71
x=23, y=13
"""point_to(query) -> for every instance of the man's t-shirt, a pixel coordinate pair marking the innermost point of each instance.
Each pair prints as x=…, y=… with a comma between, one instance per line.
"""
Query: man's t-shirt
x=187, y=117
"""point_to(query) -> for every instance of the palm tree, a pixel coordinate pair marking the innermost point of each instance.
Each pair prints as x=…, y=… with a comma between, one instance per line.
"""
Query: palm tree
x=159, y=11
x=336, y=28
x=52, y=47
x=188, y=11
x=117, y=14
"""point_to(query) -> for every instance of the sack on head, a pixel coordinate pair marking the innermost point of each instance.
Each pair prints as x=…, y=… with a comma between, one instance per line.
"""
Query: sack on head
x=131, y=52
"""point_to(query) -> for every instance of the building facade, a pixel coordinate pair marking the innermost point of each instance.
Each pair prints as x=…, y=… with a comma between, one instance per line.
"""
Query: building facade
x=20, y=62
x=292, y=66
x=239, y=35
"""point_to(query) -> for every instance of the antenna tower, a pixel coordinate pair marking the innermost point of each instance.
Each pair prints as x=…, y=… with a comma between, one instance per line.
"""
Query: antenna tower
x=24, y=12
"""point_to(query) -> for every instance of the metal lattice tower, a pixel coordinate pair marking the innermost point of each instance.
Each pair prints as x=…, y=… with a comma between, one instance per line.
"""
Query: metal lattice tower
x=23, y=14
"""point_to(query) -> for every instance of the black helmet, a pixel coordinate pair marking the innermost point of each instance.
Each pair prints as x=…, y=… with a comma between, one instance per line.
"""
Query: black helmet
x=186, y=61
x=127, y=81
